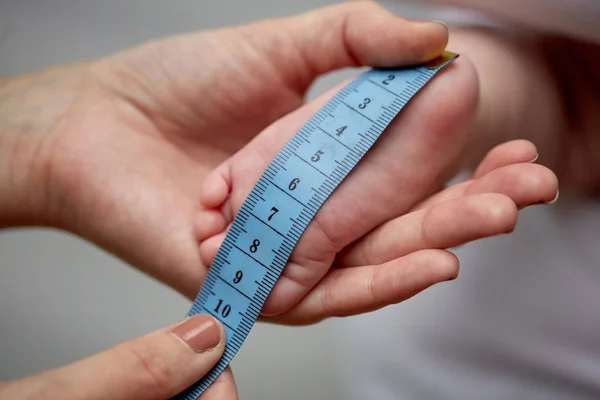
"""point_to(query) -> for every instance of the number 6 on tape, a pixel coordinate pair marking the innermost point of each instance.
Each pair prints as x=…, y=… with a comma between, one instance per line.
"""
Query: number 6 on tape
x=288, y=194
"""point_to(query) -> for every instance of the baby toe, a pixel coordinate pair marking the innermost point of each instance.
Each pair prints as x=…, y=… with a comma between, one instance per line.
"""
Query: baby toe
x=208, y=223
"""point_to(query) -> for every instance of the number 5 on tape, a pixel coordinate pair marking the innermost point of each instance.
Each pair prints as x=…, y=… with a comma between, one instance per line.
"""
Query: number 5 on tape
x=288, y=194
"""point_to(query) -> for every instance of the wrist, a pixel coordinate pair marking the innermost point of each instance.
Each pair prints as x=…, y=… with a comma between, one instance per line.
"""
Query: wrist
x=22, y=192
x=24, y=161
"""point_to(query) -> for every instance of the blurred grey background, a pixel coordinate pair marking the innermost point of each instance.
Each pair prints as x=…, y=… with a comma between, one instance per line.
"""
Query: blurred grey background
x=62, y=299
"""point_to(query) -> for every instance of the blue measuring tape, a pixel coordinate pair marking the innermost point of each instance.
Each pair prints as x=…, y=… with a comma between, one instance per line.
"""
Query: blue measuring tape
x=288, y=194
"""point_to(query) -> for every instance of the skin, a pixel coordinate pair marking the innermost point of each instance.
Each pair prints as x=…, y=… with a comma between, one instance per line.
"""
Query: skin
x=392, y=179
x=512, y=85
x=132, y=152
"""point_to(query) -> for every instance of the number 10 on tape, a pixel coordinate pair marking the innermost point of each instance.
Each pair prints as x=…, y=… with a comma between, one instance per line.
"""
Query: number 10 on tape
x=290, y=192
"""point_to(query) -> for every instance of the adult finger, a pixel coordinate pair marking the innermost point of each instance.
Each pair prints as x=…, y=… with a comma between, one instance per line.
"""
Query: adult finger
x=442, y=226
x=511, y=152
x=351, y=291
x=525, y=183
x=156, y=366
x=505, y=154
x=223, y=388
x=472, y=210
x=350, y=34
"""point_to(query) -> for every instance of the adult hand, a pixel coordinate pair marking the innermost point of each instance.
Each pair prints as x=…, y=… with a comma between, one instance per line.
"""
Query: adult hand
x=408, y=254
x=116, y=150
x=156, y=366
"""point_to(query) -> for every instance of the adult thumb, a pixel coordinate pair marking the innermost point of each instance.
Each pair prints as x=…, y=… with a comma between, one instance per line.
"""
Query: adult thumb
x=155, y=366
x=350, y=34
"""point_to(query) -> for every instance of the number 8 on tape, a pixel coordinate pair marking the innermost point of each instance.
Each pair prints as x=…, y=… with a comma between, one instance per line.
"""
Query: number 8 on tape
x=288, y=194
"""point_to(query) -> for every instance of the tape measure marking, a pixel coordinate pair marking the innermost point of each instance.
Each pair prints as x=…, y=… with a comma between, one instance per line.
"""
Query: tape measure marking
x=290, y=192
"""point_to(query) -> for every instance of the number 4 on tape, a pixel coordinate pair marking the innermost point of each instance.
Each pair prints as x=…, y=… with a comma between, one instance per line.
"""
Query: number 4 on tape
x=288, y=194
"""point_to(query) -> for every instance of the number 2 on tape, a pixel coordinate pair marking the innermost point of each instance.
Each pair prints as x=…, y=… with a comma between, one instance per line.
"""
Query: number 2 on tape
x=288, y=194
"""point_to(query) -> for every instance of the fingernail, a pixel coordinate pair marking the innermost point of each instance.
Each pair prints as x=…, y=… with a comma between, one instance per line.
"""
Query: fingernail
x=201, y=333
x=535, y=158
x=430, y=22
x=554, y=199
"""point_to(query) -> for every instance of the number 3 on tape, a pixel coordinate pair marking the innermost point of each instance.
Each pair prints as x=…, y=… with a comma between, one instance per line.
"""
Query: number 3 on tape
x=288, y=194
